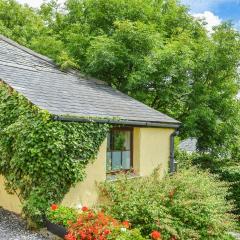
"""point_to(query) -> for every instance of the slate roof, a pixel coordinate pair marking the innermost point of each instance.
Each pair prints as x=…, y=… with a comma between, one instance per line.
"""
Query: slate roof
x=67, y=93
x=188, y=145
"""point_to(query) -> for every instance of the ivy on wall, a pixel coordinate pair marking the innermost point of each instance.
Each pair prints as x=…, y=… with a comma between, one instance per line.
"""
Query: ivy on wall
x=41, y=158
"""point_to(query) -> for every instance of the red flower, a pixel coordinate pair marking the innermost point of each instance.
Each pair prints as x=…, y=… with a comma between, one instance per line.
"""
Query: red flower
x=126, y=224
x=90, y=215
x=83, y=235
x=102, y=238
x=69, y=236
x=93, y=225
x=155, y=235
x=106, y=232
x=84, y=209
x=54, y=207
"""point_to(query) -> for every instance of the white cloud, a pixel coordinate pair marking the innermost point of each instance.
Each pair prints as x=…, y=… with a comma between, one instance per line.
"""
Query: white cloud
x=209, y=18
x=32, y=3
x=237, y=25
x=35, y=3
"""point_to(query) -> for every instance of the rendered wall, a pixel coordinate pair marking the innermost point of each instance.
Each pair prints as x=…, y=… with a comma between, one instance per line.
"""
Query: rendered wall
x=85, y=193
x=8, y=201
x=151, y=150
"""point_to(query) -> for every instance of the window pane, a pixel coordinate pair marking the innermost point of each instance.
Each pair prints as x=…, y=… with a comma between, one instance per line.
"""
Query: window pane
x=118, y=150
x=116, y=160
x=127, y=143
x=121, y=140
x=126, y=160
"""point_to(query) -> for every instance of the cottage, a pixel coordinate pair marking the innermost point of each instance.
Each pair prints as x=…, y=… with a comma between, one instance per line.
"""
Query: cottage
x=142, y=139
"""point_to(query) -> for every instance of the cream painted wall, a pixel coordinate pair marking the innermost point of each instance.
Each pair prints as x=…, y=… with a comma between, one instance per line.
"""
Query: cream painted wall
x=151, y=148
x=8, y=201
x=85, y=193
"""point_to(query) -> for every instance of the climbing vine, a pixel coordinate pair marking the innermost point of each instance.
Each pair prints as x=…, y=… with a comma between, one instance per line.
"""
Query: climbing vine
x=41, y=158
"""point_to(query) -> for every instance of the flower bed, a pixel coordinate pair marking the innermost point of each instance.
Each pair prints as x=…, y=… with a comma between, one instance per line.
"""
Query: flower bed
x=61, y=215
x=90, y=224
x=56, y=229
x=59, y=218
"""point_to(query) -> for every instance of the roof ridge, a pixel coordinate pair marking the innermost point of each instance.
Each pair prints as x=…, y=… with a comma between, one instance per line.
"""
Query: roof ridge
x=27, y=50
x=49, y=60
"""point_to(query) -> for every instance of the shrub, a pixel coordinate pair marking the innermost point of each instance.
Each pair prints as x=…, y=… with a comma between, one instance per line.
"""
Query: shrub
x=184, y=160
x=231, y=174
x=188, y=205
x=228, y=171
x=61, y=215
x=133, y=234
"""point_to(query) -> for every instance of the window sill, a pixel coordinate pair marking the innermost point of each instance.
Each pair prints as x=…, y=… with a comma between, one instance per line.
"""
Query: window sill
x=114, y=177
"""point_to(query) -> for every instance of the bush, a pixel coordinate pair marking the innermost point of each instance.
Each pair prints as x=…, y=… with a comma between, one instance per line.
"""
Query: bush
x=184, y=160
x=188, y=205
x=231, y=174
x=61, y=215
x=228, y=171
x=134, y=234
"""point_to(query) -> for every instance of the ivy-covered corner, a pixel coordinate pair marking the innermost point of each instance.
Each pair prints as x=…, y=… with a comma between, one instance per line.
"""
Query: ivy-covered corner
x=41, y=158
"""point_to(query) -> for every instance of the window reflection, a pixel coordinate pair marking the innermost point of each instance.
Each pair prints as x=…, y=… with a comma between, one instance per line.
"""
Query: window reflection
x=119, y=152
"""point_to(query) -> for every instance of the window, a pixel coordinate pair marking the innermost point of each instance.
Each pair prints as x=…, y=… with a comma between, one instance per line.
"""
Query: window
x=119, y=149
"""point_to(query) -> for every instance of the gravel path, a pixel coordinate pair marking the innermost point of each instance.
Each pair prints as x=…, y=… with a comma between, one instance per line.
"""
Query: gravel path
x=14, y=228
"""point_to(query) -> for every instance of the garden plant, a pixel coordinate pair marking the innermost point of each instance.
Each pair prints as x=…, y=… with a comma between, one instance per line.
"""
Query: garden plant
x=191, y=204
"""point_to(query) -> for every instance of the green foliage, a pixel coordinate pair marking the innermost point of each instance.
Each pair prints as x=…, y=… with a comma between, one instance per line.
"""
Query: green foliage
x=41, y=158
x=156, y=52
x=134, y=234
x=62, y=215
x=188, y=205
x=184, y=160
x=19, y=22
x=232, y=175
x=228, y=172
x=213, y=110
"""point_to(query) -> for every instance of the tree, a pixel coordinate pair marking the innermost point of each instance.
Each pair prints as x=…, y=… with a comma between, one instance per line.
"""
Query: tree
x=156, y=52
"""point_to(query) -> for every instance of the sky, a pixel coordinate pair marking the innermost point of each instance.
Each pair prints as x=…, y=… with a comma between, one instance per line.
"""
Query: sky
x=213, y=11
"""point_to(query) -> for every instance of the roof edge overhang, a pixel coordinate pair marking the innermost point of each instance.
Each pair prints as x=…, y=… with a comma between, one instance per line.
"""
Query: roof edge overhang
x=118, y=121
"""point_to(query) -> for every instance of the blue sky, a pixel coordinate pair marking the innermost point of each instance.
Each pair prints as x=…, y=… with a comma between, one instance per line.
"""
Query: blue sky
x=223, y=9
